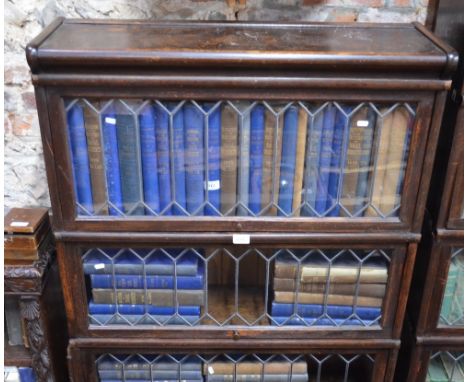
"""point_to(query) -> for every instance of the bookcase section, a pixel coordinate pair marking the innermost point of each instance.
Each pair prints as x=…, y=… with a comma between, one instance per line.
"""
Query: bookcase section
x=236, y=287
x=452, y=311
x=133, y=157
x=232, y=367
x=446, y=366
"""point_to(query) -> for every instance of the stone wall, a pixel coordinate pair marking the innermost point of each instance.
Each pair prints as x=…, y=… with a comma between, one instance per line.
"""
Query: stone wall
x=25, y=181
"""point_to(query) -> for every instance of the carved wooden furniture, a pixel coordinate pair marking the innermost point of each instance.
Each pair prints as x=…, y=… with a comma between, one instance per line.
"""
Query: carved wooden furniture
x=121, y=67
x=36, y=286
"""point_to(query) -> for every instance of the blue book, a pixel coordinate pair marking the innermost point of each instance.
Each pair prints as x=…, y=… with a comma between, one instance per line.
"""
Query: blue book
x=288, y=161
x=190, y=363
x=244, y=163
x=183, y=310
x=26, y=374
x=152, y=282
x=80, y=159
x=401, y=176
x=149, y=160
x=193, y=122
x=362, y=188
x=316, y=310
x=337, y=162
x=314, y=144
x=213, y=183
x=178, y=155
x=127, y=263
x=139, y=319
x=257, y=130
x=153, y=380
x=111, y=159
x=163, y=154
x=278, y=320
x=129, y=164
x=146, y=374
x=325, y=159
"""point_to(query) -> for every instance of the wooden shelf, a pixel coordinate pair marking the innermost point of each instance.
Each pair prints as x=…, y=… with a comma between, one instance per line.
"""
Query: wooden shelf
x=17, y=356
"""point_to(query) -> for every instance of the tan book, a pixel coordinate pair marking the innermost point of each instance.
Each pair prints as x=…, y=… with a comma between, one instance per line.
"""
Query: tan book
x=252, y=367
x=318, y=273
x=96, y=161
x=385, y=127
x=331, y=299
x=229, y=148
x=268, y=152
x=353, y=159
x=395, y=161
x=343, y=274
x=157, y=297
x=370, y=290
x=300, y=159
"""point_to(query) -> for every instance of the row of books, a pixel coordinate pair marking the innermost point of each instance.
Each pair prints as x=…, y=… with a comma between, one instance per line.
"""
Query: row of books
x=314, y=292
x=19, y=374
x=127, y=292
x=192, y=369
x=452, y=311
x=445, y=368
x=208, y=159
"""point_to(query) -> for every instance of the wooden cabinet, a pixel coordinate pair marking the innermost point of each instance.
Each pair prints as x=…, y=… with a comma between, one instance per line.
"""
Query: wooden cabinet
x=253, y=188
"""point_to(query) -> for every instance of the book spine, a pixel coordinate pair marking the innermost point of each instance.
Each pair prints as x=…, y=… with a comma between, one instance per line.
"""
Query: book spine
x=229, y=147
x=139, y=319
x=257, y=120
x=316, y=310
x=96, y=161
x=111, y=160
x=252, y=367
x=183, y=310
x=149, y=160
x=332, y=299
x=186, y=365
x=129, y=164
x=268, y=152
x=365, y=170
x=321, y=196
x=286, y=270
x=380, y=152
x=257, y=378
x=193, y=122
x=288, y=161
x=129, y=374
x=340, y=141
x=80, y=159
x=157, y=297
x=243, y=169
x=178, y=153
x=176, y=375
x=26, y=374
x=163, y=162
x=320, y=321
x=300, y=159
x=213, y=183
x=152, y=282
x=314, y=144
x=351, y=274
x=394, y=163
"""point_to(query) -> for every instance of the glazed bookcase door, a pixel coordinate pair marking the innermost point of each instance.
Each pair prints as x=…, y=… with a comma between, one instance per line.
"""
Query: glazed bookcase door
x=236, y=291
x=163, y=162
x=309, y=365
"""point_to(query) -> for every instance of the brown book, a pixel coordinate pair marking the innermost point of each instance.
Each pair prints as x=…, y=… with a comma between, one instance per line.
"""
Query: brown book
x=338, y=273
x=300, y=156
x=353, y=159
x=384, y=127
x=395, y=160
x=268, y=152
x=277, y=161
x=96, y=161
x=370, y=290
x=332, y=299
x=229, y=148
x=157, y=297
x=253, y=367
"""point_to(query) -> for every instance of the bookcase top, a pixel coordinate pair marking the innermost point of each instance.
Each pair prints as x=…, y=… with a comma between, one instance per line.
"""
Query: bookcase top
x=113, y=43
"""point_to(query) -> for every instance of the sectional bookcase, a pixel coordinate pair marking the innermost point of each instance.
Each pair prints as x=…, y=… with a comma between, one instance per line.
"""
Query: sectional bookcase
x=237, y=201
x=436, y=307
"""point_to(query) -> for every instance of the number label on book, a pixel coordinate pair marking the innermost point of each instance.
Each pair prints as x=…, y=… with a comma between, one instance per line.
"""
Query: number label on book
x=99, y=266
x=19, y=224
x=362, y=123
x=213, y=185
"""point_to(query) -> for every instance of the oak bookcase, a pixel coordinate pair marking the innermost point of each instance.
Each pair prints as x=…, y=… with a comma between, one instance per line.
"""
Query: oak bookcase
x=227, y=87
